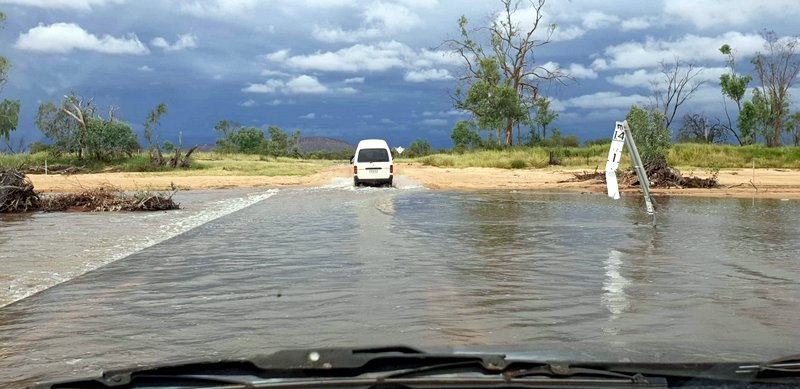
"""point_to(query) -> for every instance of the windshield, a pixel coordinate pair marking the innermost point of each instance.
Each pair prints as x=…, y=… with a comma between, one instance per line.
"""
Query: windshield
x=569, y=180
x=373, y=155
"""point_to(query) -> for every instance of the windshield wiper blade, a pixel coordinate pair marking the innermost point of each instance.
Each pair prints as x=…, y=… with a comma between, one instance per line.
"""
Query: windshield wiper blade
x=788, y=366
x=565, y=370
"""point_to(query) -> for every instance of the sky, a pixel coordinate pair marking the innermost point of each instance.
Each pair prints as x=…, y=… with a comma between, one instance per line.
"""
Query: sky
x=353, y=69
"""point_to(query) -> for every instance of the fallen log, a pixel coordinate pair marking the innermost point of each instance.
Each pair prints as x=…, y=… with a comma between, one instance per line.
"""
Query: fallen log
x=54, y=169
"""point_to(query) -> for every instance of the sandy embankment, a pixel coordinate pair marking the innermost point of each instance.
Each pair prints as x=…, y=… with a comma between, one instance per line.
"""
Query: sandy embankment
x=761, y=183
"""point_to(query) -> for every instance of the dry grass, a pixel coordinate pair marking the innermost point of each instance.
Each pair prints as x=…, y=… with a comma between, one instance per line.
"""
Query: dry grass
x=683, y=156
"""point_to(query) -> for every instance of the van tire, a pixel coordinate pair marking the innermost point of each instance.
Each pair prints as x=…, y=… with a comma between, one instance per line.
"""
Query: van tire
x=355, y=182
x=390, y=181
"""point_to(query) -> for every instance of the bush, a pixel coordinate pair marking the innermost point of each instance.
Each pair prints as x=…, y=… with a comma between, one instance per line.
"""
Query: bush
x=38, y=147
x=653, y=138
x=106, y=140
x=465, y=135
x=419, y=148
x=518, y=164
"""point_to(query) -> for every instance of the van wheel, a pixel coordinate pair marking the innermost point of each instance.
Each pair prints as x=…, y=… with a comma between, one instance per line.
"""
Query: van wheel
x=355, y=182
x=390, y=181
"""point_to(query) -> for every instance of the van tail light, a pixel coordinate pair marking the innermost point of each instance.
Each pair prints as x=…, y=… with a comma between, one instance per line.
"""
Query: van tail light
x=355, y=169
x=391, y=169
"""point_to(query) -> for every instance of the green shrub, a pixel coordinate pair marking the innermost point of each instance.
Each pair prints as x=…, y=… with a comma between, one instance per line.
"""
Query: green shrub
x=518, y=164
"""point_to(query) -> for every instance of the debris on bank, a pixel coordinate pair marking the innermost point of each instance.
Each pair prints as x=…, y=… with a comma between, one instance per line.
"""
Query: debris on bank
x=17, y=195
x=663, y=176
x=584, y=176
x=16, y=192
x=660, y=176
x=108, y=200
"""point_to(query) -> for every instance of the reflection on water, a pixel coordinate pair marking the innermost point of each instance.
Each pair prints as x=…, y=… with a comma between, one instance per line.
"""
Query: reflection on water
x=342, y=267
x=614, y=297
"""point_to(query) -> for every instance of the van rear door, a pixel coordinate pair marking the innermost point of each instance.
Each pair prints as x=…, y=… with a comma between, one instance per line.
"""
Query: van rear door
x=374, y=164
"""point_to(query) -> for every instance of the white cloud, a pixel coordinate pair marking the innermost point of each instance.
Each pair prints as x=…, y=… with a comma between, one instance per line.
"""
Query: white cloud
x=145, y=68
x=636, y=23
x=579, y=71
x=66, y=37
x=428, y=58
x=557, y=105
x=712, y=13
x=273, y=73
x=366, y=57
x=218, y=8
x=275, y=102
x=249, y=103
x=689, y=48
x=433, y=122
x=308, y=116
x=387, y=121
x=337, y=34
x=358, y=57
x=642, y=78
x=605, y=100
x=81, y=5
x=427, y=75
x=393, y=17
x=572, y=20
x=573, y=70
x=638, y=78
x=454, y=112
x=347, y=90
x=277, y=56
x=303, y=84
x=270, y=86
x=354, y=80
x=379, y=19
x=567, y=33
x=184, y=41
x=595, y=20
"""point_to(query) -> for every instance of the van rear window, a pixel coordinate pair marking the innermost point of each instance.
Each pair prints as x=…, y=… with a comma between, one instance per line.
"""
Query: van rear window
x=373, y=155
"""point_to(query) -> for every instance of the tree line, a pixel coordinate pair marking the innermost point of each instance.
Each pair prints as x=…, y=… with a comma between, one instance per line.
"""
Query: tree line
x=76, y=126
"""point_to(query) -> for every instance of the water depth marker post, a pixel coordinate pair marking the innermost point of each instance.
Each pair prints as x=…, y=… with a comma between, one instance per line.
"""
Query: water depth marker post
x=622, y=137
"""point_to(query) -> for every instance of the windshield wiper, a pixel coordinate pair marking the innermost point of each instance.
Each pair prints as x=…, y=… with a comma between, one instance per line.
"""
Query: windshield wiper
x=788, y=366
x=404, y=367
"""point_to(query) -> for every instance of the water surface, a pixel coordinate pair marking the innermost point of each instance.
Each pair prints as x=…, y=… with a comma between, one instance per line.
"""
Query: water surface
x=717, y=278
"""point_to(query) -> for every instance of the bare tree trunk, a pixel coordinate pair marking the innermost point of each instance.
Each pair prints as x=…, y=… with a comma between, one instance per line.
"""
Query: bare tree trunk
x=509, y=132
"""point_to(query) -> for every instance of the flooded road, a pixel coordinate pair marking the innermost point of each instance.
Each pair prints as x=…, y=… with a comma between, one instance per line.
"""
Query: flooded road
x=343, y=267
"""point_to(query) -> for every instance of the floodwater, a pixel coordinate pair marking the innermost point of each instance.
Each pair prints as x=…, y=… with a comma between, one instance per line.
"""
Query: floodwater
x=335, y=266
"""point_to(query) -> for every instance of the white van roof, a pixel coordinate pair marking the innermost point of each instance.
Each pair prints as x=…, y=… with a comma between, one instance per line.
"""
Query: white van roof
x=372, y=144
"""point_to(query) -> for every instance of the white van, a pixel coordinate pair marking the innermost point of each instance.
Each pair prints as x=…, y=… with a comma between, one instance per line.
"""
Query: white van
x=372, y=163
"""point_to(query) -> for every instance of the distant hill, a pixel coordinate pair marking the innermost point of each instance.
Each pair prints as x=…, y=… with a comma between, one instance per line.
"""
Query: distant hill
x=313, y=144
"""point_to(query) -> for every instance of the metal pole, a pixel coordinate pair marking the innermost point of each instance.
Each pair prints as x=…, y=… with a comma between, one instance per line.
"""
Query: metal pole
x=639, y=167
